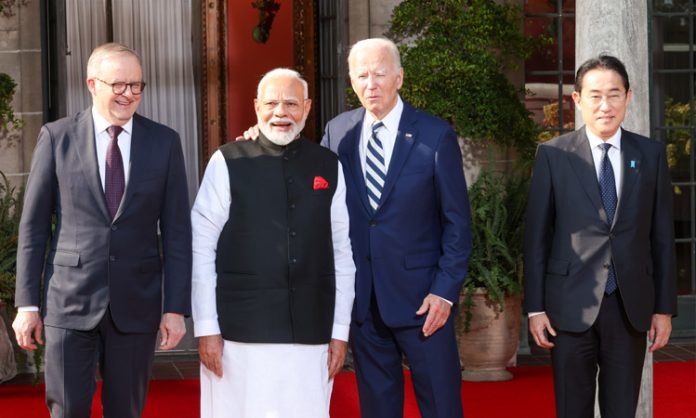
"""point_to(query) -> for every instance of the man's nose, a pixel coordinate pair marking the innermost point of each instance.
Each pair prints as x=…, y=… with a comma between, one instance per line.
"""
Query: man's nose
x=280, y=109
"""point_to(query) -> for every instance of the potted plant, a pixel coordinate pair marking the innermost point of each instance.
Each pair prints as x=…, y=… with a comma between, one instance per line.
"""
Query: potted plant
x=456, y=56
x=488, y=326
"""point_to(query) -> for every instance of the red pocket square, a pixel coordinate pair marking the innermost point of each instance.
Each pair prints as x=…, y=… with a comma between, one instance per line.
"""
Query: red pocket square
x=320, y=183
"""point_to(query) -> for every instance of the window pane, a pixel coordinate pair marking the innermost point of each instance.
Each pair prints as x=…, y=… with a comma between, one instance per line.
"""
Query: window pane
x=672, y=6
x=684, y=260
x=672, y=39
x=546, y=58
x=678, y=153
x=542, y=101
x=540, y=6
x=683, y=211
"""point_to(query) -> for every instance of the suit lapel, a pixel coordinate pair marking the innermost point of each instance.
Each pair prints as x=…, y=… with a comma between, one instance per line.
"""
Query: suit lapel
x=86, y=148
x=138, y=150
x=350, y=145
x=583, y=164
x=630, y=157
x=405, y=138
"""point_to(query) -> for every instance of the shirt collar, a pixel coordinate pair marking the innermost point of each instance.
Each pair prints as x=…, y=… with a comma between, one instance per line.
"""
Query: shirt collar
x=595, y=141
x=100, y=123
x=391, y=121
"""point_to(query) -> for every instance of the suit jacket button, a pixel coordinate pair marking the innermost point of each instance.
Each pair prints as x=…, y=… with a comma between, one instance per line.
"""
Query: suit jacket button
x=114, y=227
x=112, y=258
x=293, y=261
x=373, y=223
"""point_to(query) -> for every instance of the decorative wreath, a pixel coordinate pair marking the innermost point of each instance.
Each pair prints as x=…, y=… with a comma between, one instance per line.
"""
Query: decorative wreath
x=267, y=12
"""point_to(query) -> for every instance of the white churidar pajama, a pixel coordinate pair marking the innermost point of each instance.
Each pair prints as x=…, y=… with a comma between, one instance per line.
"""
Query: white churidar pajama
x=268, y=381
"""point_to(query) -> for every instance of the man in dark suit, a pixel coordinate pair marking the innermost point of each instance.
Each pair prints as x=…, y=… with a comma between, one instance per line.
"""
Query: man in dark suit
x=111, y=178
x=410, y=231
x=599, y=250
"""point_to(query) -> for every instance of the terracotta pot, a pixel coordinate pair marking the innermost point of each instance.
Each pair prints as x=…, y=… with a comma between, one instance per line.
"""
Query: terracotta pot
x=492, y=340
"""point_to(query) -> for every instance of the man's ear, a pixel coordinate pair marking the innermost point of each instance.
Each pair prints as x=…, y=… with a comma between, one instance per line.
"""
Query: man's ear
x=91, y=85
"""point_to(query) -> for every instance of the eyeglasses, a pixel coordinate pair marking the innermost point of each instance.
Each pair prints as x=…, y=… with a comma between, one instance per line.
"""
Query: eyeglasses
x=612, y=99
x=119, y=87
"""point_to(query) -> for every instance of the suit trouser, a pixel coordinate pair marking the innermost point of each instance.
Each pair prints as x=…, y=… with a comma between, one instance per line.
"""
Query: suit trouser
x=434, y=363
x=610, y=344
x=124, y=361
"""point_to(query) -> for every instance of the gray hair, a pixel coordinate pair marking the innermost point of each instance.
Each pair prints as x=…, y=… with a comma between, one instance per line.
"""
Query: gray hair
x=282, y=72
x=374, y=43
x=104, y=51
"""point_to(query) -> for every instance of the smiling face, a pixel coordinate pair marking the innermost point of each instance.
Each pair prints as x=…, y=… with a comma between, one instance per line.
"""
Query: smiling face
x=281, y=109
x=117, y=109
x=376, y=78
x=603, y=101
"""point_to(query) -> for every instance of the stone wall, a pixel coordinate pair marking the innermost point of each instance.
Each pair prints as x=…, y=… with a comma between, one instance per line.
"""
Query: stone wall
x=20, y=58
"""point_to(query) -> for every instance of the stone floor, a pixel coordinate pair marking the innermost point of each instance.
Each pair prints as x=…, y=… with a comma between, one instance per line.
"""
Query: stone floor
x=186, y=366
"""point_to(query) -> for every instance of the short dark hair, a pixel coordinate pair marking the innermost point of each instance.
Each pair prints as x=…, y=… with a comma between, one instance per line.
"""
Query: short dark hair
x=604, y=62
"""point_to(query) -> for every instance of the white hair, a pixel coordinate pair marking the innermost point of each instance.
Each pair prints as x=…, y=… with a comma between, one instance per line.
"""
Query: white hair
x=374, y=43
x=103, y=52
x=282, y=72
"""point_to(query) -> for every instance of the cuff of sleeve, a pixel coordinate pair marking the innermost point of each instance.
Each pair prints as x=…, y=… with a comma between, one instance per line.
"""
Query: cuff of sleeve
x=446, y=300
x=531, y=314
x=206, y=327
x=340, y=332
x=28, y=309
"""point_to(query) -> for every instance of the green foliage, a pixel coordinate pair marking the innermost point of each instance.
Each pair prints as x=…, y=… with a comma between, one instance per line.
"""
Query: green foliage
x=498, y=205
x=7, y=91
x=8, y=8
x=10, y=211
x=678, y=115
x=679, y=143
x=455, y=54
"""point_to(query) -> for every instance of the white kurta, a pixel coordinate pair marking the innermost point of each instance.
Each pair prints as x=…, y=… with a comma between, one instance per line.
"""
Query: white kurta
x=263, y=380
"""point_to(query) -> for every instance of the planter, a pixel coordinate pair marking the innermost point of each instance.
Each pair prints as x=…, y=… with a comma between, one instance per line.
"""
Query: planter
x=491, y=342
x=8, y=367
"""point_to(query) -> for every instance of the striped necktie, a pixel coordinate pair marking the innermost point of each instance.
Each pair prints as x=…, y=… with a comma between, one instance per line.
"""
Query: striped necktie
x=607, y=185
x=375, y=170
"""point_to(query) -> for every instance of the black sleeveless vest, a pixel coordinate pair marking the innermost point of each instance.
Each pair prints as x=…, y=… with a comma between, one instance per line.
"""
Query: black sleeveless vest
x=275, y=266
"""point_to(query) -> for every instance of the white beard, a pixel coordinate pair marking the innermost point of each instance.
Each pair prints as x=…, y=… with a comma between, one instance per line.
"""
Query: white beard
x=281, y=138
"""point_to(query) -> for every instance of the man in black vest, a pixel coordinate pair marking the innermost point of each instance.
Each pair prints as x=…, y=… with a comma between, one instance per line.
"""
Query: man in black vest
x=273, y=282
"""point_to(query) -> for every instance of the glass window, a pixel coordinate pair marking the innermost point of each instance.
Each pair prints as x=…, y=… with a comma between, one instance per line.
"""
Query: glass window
x=673, y=120
x=549, y=73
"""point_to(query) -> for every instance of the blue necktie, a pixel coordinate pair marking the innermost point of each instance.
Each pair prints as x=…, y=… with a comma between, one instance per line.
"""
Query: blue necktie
x=375, y=169
x=607, y=186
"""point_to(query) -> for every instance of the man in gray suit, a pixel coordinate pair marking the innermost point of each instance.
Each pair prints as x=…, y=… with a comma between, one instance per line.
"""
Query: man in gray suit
x=111, y=178
x=599, y=250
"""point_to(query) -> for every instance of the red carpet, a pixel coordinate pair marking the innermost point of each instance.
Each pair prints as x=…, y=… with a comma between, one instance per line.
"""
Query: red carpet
x=528, y=395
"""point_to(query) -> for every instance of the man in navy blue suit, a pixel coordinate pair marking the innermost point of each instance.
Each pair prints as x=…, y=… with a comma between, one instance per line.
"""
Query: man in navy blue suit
x=411, y=237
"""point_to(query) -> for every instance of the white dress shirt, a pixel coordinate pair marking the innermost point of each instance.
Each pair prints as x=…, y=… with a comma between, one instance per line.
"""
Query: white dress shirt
x=614, y=156
x=103, y=139
x=386, y=134
x=208, y=217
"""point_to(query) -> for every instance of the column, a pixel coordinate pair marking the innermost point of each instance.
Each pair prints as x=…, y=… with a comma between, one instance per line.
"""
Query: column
x=620, y=28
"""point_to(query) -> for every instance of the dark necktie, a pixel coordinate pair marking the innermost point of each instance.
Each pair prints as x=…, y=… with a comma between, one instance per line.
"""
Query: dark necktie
x=607, y=186
x=115, y=182
x=375, y=169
